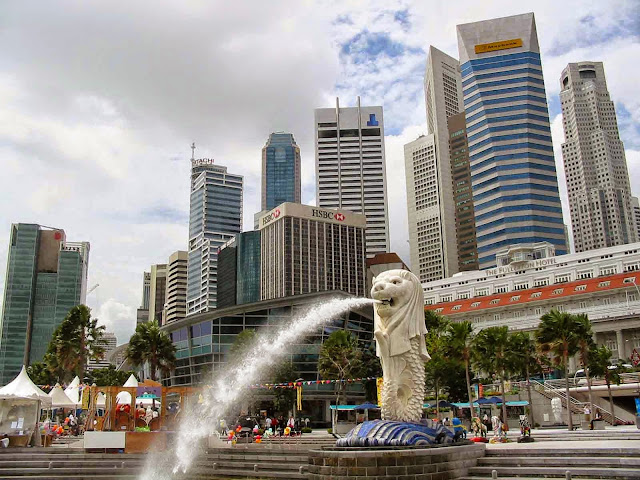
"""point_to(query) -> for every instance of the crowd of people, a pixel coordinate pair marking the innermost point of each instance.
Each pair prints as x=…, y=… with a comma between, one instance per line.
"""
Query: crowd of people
x=276, y=425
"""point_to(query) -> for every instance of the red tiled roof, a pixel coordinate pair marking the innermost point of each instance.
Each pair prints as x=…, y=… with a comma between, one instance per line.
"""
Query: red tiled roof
x=584, y=287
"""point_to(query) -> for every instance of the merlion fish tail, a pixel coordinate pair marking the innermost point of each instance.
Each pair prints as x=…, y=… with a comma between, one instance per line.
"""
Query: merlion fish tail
x=403, y=395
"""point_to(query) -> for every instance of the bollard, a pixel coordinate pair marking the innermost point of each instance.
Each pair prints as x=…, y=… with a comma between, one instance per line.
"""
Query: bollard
x=122, y=466
x=215, y=465
x=255, y=467
x=567, y=475
x=50, y=465
x=494, y=474
x=301, y=469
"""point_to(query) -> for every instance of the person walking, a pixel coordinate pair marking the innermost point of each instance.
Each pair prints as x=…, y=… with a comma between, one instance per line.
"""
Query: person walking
x=267, y=423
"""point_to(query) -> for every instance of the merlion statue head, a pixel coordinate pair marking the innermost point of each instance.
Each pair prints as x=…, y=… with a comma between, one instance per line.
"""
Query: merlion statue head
x=400, y=311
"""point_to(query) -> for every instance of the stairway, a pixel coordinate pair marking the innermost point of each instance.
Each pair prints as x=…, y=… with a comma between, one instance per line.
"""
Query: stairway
x=537, y=463
x=576, y=406
x=272, y=461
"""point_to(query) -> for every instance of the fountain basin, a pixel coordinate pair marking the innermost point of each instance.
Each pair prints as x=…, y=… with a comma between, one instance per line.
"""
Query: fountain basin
x=434, y=462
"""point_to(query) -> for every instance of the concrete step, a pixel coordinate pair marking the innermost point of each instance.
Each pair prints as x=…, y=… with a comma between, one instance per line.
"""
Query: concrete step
x=564, y=452
x=521, y=461
x=544, y=471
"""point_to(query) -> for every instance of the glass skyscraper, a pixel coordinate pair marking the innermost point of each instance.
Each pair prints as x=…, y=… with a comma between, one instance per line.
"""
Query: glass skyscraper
x=280, y=171
x=46, y=277
x=513, y=171
x=215, y=218
x=239, y=270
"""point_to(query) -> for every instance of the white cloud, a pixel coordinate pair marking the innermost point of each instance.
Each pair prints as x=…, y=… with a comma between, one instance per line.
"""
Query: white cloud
x=100, y=106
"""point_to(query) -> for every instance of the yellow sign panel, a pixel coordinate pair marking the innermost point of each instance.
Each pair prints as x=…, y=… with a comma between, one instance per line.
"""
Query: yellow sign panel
x=503, y=45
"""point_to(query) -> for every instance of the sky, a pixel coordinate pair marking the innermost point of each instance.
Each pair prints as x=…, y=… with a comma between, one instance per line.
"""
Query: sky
x=100, y=102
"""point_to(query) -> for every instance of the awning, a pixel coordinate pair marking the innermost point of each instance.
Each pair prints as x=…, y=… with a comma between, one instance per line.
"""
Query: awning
x=517, y=403
x=343, y=407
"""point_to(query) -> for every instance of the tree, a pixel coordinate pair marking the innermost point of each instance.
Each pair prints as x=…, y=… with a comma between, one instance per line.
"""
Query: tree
x=244, y=341
x=491, y=354
x=437, y=368
x=40, y=374
x=459, y=339
x=585, y=346
x=108, y=376
x=152, y=345
x=599, y=365
x=526, y=361
x=284, y=398
x=371, y=368
x=75, y=341
x=340, y=359
x=558, y=335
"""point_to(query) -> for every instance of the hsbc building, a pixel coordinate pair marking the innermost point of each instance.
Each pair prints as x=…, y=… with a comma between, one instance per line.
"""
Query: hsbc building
x=306, y=249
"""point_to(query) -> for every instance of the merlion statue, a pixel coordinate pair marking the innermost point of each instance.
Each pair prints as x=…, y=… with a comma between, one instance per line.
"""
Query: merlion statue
x=399, y=330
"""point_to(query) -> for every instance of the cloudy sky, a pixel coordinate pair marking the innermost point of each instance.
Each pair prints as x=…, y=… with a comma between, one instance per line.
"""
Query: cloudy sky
x=101, y=100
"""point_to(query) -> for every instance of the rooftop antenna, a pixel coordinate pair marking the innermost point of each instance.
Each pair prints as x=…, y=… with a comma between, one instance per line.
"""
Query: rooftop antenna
x=193, y=151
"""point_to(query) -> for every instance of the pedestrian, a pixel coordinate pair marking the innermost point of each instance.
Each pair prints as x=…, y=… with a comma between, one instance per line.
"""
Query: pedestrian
x=267, y=424
x=223, y=426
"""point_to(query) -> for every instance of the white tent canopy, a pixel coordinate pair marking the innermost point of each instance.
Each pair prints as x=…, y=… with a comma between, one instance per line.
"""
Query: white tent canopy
x=124, y=398
x=73, y=390
x=59, y=399
x=22, y=387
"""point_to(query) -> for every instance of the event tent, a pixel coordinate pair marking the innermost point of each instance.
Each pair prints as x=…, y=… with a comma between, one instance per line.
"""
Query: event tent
x=124, y=398
x=73, y=390
x=22, y=387
x=59, y=399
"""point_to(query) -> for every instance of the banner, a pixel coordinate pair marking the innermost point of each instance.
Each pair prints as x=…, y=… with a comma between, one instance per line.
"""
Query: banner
x=85, y=398
x=379, y=383
x=299, y=398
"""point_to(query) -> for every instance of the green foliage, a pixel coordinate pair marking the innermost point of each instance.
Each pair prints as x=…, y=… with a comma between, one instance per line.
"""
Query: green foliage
x=492, y=353
x=108, y=376
x=284, y=398
x=371, y=368
x=40, y=374
x=526, y=360
x=75, y=341
x=244, y=341
x=558, y=335
x=152, y=345
x=459, y=347
x=340, y=359
x=307, y=430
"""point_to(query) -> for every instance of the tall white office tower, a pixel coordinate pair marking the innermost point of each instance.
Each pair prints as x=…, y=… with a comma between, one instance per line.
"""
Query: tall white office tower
x=443, y=95
x=423, y=205
x=594, y=161
x=513, y=171
x=350, y=167
x=635, y=203
x=215, y=217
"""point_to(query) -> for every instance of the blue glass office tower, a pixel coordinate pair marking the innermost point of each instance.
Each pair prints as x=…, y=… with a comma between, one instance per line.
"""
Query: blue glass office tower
x=513, y=172
x=215, y=218
x=280, y=171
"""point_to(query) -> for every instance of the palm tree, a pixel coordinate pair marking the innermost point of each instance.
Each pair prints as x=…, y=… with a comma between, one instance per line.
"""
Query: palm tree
x=437, y=368
x=491, y=354
x=599, y=363
x=526, y=361
x=459, y=340
x=75, y=341
x=558, y=334
x=585, y=346
x=152, y=345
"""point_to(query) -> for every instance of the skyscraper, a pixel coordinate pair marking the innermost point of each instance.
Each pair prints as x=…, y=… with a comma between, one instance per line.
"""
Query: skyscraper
x=215, y=217
x=307, y=249
x=513, y=173
x=175, y=304
x=635, y=203
x=46, y=277
x=423, y=205
x=142, y=313
x=239, y=270
x=443, y=98
x=350, y=167
x=157, y=292
x=280, y=171
x=594, y=161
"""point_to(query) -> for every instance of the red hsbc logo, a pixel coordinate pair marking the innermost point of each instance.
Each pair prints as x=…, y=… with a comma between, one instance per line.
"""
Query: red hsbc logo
x=276, y=214
x=339, y=217
x=271, y=216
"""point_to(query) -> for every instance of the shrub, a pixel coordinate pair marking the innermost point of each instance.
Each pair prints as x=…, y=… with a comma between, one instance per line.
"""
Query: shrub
x=307, y=430
x=329, y=430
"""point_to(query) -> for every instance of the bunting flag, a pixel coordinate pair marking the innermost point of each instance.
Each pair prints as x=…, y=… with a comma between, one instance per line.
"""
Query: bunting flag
x=310, y=382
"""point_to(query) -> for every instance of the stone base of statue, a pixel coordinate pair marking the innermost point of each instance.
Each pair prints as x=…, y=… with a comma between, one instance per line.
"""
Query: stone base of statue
x=430, y=462
x=379, y=433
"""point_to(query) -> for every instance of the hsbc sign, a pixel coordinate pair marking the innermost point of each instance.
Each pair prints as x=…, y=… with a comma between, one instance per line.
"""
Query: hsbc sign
x=327, y=215
x=272, y=216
